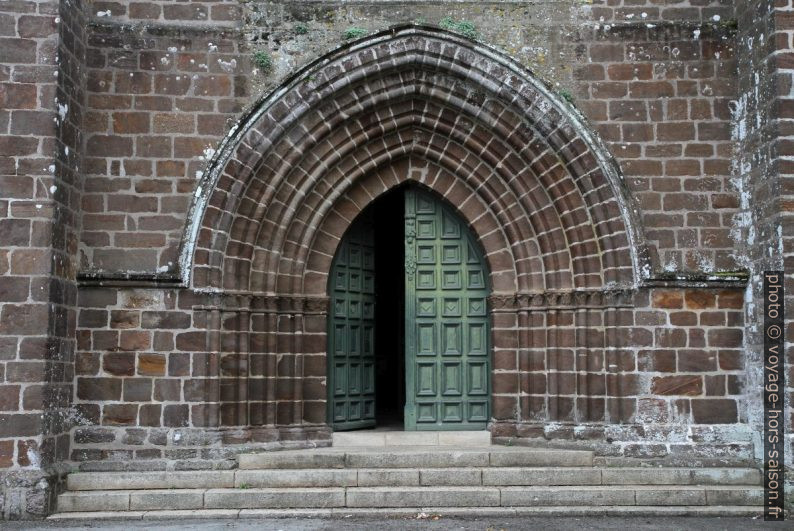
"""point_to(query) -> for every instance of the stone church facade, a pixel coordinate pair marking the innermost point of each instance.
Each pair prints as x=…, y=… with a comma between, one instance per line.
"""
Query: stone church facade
x=181, y=185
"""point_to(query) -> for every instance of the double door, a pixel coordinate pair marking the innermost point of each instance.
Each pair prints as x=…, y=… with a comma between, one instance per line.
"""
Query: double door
x=445, y=324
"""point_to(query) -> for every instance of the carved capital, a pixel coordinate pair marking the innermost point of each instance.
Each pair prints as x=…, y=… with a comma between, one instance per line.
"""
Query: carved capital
x=561, y=299
x=503, y=302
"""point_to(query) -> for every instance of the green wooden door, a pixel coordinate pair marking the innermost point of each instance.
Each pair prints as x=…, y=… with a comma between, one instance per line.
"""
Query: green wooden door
x=351, y=333
x=446, y=320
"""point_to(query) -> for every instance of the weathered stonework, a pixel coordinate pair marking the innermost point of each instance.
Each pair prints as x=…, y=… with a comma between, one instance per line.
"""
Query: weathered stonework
x=169, y=210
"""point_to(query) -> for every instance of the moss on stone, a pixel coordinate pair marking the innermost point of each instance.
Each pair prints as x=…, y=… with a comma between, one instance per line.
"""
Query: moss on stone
x=464, y=27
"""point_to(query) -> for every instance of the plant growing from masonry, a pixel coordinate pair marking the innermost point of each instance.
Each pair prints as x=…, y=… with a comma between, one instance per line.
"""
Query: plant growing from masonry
x=464, y=27
x=566, y=95
x=301, y=29
x=354, y=33
x=263, y=61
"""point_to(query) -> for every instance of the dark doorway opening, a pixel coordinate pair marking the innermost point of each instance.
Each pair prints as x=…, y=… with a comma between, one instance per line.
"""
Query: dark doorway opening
x=389, y=228
x=408, y=346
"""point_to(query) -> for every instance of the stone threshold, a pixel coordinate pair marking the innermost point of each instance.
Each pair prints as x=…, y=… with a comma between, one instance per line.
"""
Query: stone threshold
x=411, y=438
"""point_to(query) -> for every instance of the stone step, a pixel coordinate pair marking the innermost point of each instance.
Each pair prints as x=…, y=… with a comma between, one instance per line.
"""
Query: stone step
x=362, y=477
x=198, y=479
x=413, y=457
x=449, y=512
x=412, y=438
x=408, y=497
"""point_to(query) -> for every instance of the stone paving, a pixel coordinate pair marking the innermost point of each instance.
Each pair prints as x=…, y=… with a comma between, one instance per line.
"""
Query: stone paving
x=428, y=521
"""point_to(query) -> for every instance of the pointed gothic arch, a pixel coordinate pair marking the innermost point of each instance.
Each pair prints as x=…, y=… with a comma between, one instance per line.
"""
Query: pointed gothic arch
x=538, y=190
x=459, y=109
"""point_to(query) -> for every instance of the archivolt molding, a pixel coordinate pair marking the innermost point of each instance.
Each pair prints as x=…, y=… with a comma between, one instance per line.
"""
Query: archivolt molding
x=541, y=193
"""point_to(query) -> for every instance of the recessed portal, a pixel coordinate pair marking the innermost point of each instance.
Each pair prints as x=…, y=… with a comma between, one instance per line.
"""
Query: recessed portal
x=389, y=309
x=408, y=333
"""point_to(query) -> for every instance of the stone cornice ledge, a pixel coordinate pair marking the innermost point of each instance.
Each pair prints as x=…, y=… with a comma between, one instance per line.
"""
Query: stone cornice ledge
x=722, y=279
x=108, y=279
x=698, y=279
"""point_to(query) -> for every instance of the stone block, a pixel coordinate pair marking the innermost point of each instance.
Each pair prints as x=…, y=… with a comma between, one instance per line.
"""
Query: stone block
x=670, y=496
x=258, y=514
x=565, y=496
x=94, y=501
x=177, y=499
x=423, y=497
x=295, y=478
x=417, y=459
x=508, y=476
x=359, y=439
x=451, y=477
x=397, y=477
x=530, y=458
x=273, y=498
x=211, y=479
x=646, y=476
x=464, y=438
x=292, y=459
x=191, y=514
x=731, y=495
x=98, y=515
x=726, y=476
x=411, y=438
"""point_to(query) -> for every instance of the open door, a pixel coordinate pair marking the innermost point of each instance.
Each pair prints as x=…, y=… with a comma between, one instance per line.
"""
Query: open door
x=433, y=329
x=351, y=330
x=447, y=356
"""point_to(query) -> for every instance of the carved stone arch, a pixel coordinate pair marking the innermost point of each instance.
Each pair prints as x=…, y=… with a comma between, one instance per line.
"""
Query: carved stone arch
x=538, y=190
x=474, y=210
x=429, y=93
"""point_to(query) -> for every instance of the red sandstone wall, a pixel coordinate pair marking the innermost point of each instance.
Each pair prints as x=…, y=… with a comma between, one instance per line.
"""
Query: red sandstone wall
x=149, y=379
x=656, y=87
x=146, y=367
x=154, y=116
x=763, y=172
x=42, y=51
x=784, y=61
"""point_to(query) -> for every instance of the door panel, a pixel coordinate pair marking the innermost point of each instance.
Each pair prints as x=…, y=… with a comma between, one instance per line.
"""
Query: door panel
x=351, y=330
x=446, y=320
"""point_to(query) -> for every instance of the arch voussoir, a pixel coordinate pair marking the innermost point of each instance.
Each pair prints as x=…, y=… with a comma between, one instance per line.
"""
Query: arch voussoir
x=538, y=191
